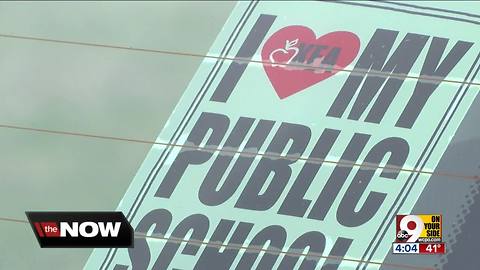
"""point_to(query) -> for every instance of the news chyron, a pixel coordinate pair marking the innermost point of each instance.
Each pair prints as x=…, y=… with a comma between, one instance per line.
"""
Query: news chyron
x=419, y=234
x=81, y=229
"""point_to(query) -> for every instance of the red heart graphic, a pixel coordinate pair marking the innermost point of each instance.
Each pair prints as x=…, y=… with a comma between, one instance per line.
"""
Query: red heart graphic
x=286, y=54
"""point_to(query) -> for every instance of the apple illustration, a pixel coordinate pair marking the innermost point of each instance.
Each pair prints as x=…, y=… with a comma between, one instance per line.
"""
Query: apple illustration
x=289, y=46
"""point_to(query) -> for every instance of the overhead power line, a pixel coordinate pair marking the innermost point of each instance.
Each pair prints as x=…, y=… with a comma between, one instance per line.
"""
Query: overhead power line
x=245, y=153
x=432, y=79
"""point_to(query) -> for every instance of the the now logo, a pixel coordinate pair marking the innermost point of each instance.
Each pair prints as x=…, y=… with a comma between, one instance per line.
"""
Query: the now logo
x=74, y=229
x=81, y=229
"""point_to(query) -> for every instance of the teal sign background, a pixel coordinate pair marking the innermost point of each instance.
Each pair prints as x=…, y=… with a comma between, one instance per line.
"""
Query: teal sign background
x=254, y=97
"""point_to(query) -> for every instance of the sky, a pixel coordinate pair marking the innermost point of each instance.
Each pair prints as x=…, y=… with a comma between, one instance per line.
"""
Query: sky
x=91, y=90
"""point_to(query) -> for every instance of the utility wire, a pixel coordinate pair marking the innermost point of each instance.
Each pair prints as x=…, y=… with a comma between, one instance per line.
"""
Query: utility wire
x=247, y=153
x=432, y=79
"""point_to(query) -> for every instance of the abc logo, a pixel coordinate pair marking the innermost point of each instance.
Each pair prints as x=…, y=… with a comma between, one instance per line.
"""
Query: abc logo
x=402, y=236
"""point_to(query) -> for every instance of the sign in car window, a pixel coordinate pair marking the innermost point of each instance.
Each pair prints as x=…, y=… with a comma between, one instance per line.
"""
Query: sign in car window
x=309, y=142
